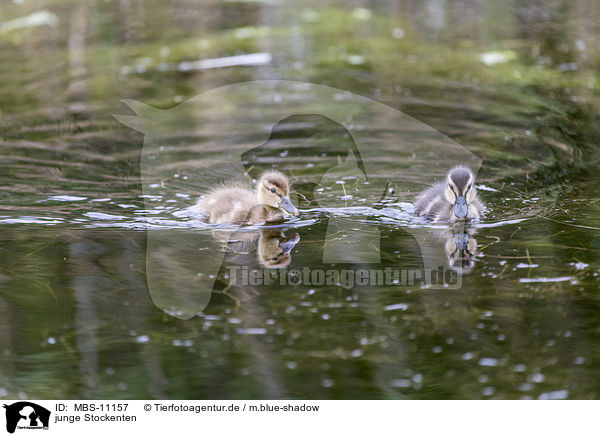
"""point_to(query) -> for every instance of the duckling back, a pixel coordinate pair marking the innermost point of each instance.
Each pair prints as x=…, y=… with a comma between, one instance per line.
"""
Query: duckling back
x=228, y=205
x=236, y=205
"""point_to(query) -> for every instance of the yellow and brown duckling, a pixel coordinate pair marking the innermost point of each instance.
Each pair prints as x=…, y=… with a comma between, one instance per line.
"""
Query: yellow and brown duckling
x=453, y=199
x=237, y=204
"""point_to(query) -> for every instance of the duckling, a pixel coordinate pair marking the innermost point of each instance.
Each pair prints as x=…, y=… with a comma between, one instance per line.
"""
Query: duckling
x=239, y=205
x=453, y=199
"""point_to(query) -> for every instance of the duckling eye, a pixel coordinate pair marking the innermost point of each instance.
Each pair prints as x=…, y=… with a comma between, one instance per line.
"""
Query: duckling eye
x=273, y=190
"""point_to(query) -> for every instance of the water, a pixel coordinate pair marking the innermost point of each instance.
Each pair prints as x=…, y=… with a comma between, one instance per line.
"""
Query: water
x=86, y=213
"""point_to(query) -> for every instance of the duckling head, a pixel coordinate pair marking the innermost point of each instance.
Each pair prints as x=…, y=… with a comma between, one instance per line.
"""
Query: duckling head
x=460, y=190
x=274, y=190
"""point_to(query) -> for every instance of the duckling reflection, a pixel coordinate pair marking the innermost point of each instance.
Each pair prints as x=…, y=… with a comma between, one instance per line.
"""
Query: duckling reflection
x=461, y=249
x=274, y=248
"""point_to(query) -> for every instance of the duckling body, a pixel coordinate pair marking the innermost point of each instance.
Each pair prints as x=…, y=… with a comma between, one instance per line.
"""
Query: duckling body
x=239, y=205
x=453, y=199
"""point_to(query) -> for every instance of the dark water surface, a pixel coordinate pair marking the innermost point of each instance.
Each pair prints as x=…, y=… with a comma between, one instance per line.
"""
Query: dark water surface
x=92, y=212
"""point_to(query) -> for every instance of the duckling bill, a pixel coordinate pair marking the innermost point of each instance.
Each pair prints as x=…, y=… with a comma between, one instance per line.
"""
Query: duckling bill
x=453, y=199
x=239, y=205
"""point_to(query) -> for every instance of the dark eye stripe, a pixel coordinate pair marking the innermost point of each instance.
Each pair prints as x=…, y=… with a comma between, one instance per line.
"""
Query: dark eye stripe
x=273, y=190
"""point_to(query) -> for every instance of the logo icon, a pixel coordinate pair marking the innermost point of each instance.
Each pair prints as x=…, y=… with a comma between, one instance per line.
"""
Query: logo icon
x=26, y=415
x=343, y=152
